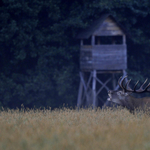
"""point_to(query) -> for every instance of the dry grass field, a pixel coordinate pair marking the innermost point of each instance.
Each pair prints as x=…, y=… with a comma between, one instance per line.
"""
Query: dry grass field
x=68, y=129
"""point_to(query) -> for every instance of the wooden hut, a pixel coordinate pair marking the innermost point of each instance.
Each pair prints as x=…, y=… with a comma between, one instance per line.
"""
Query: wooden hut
x=102, y=50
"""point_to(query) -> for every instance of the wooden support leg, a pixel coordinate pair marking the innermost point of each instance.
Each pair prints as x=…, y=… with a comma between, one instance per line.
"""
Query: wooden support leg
x=79, y=100
x=94, y=89
x=113, y=81
x=90, y=94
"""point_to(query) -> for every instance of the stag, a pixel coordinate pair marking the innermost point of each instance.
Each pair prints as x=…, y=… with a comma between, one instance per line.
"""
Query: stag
x=124, y=99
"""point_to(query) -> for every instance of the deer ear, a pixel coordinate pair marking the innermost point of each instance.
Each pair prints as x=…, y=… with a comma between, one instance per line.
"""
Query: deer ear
x=126, y=94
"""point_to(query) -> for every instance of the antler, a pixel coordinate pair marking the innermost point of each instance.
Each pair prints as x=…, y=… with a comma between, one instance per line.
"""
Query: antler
x=127, y=88
x=120, y=84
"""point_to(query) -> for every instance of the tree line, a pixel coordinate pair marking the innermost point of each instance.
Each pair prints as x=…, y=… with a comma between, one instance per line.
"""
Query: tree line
x=39, y=52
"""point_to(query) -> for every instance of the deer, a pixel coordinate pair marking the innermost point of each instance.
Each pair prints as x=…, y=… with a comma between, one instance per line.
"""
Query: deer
x=124, y=99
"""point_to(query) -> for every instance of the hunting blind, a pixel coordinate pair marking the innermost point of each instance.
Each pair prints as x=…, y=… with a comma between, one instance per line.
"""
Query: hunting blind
x=103, y=50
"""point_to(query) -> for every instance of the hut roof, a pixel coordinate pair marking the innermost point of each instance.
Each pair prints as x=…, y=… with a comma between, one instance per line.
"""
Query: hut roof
x=86, y=33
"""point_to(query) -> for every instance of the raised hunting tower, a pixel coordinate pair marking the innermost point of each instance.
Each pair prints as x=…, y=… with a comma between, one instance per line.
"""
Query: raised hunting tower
x=103, y=50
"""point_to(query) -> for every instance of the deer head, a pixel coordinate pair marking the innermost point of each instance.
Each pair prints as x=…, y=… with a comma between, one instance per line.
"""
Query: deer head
x=124, y=98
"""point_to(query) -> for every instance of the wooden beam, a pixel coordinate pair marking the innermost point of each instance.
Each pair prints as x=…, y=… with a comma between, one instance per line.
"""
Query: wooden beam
x=87, y=86
x=79, y=100
x=113, y=81
x=94, y=89
x=84, y=85
x=113, y=71
x=89, y=80
x=82, y=80
x=103, y=85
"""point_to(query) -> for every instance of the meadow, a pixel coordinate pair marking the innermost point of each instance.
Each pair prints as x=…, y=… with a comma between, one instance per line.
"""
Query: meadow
x=70, y=129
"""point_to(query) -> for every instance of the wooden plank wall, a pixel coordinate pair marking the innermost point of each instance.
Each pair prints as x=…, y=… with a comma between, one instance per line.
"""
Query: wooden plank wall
x=103, y=57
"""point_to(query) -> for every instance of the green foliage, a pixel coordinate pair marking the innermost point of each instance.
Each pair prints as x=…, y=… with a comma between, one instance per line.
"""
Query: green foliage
x=39, y=54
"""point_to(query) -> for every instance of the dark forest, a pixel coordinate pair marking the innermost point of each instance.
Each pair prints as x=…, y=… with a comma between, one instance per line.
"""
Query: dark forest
x=39, y=52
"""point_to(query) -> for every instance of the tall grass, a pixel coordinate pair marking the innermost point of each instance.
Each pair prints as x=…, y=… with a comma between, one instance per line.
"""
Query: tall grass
x=67, y=129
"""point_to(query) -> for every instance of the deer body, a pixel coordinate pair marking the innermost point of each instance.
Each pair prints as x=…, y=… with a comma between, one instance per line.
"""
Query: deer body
x=124, y=99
